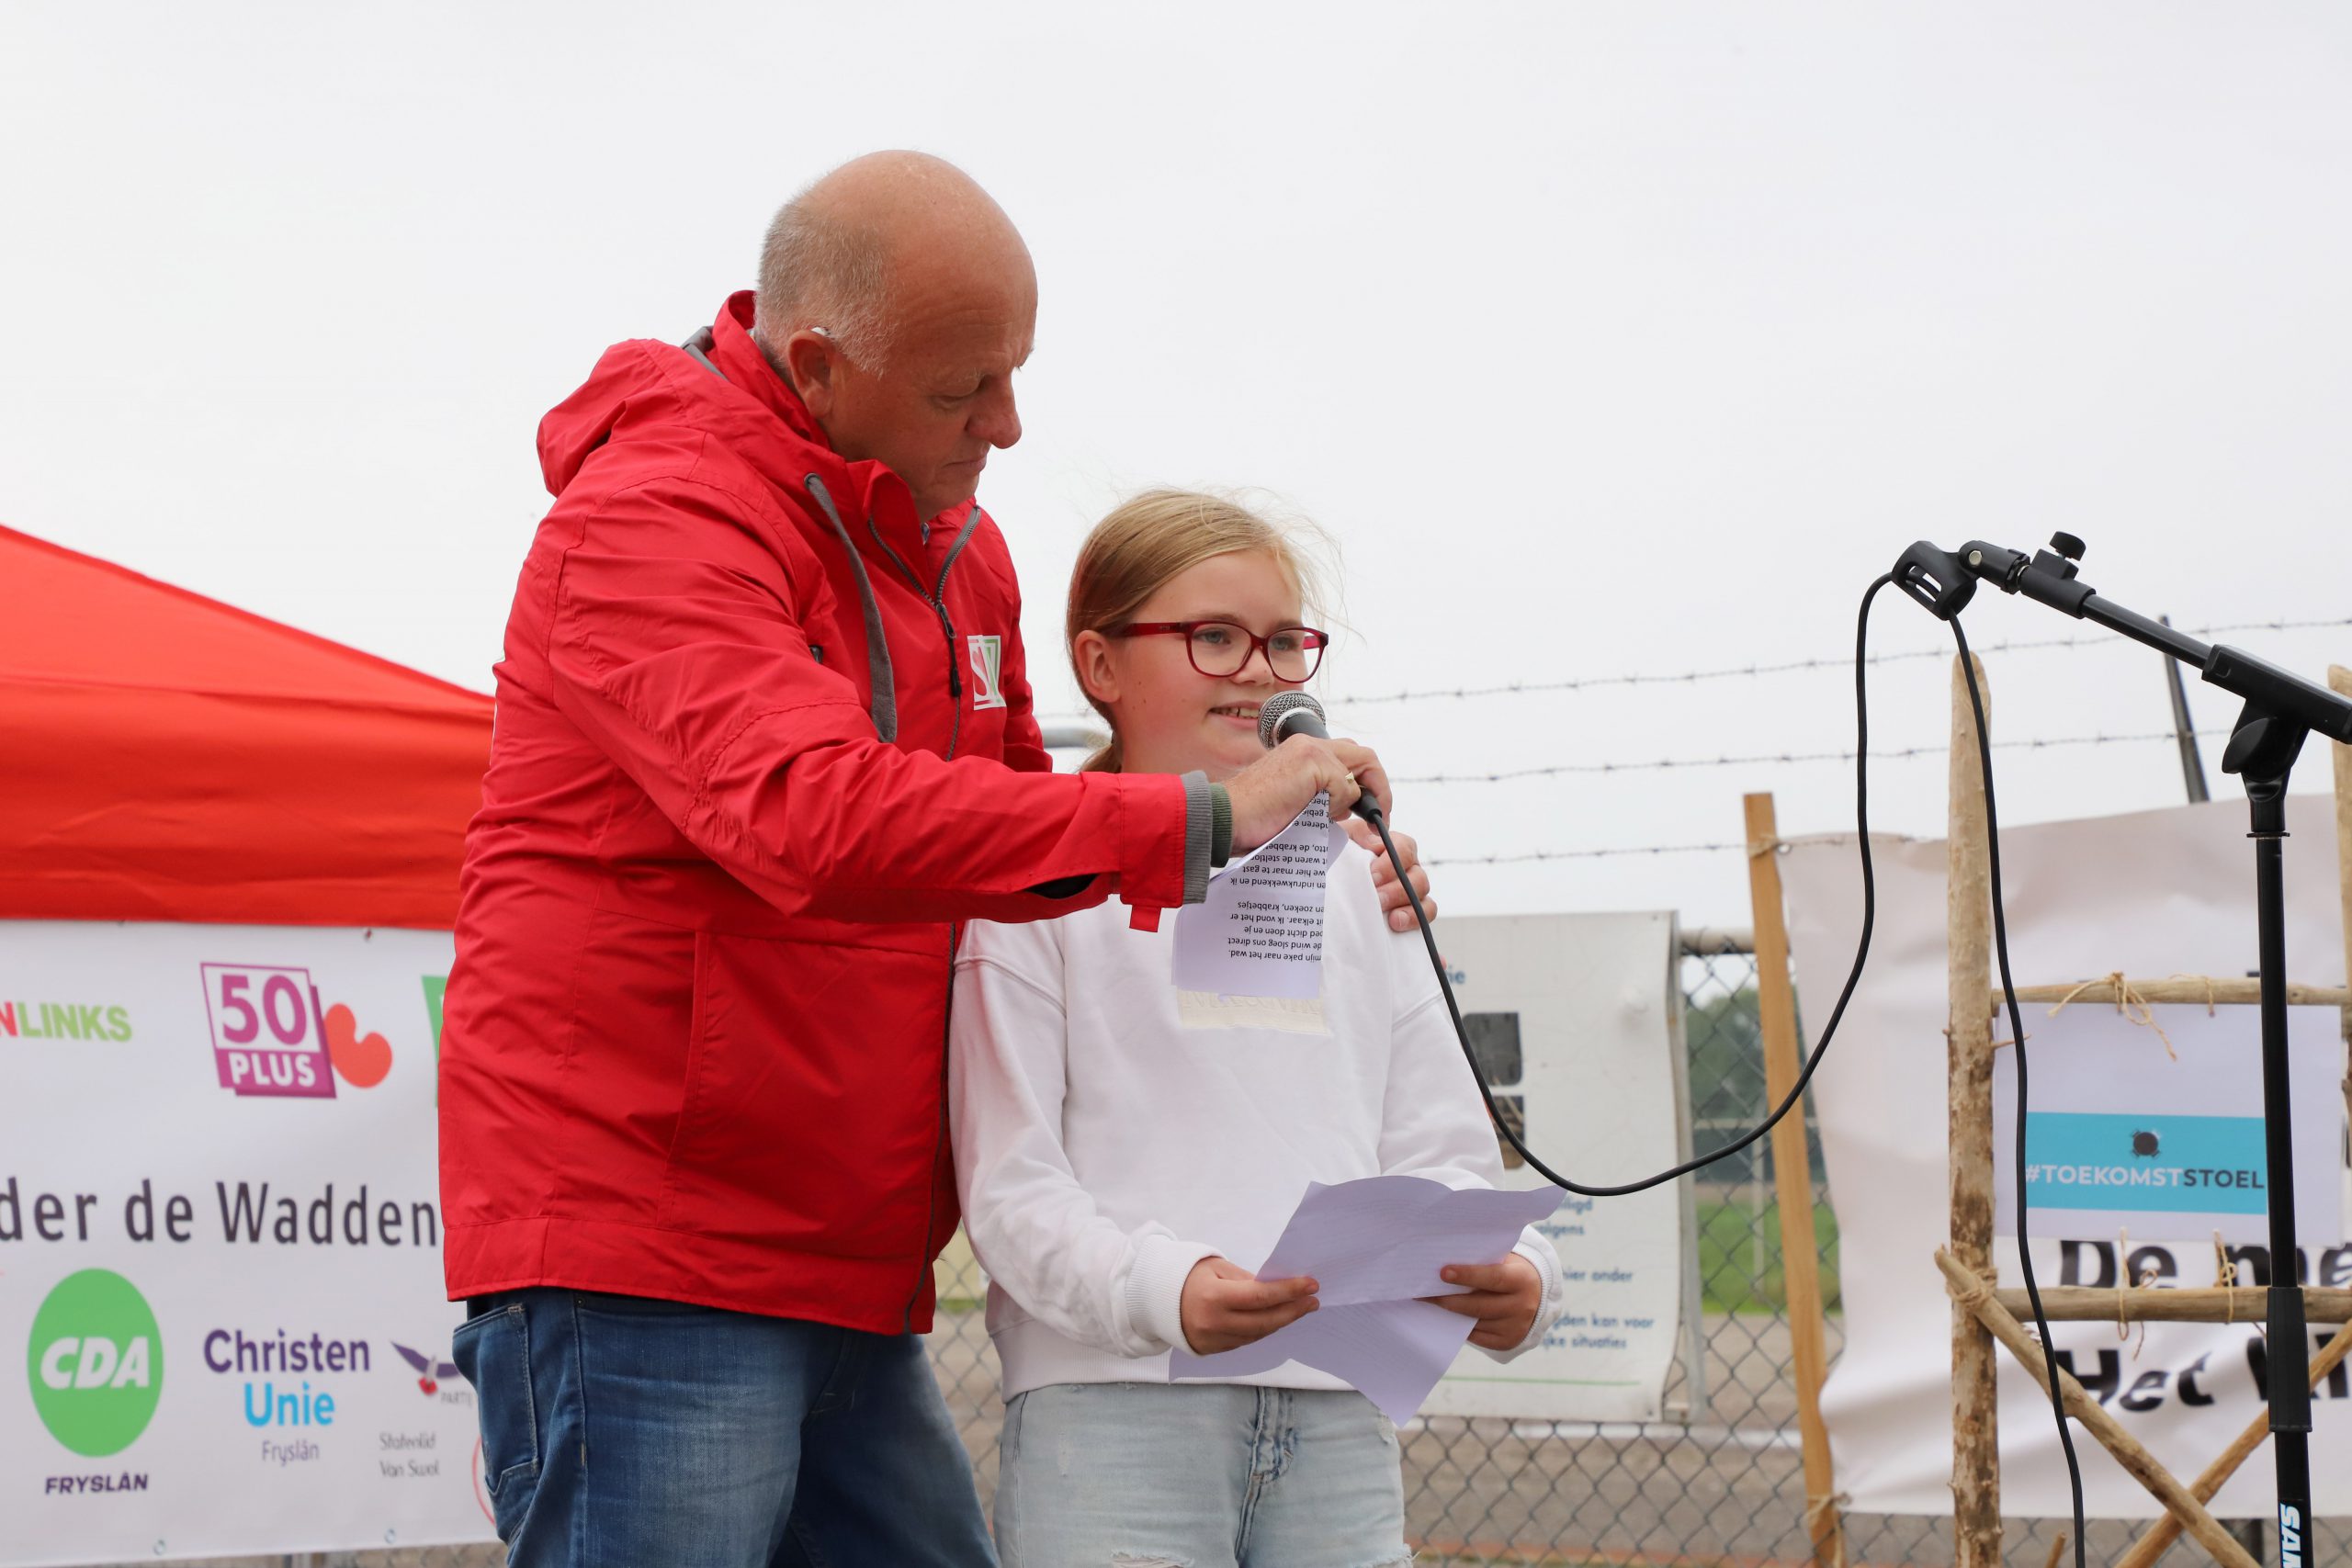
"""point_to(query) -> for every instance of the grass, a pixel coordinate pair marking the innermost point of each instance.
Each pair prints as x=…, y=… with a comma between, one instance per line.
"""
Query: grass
x=1728, y=1255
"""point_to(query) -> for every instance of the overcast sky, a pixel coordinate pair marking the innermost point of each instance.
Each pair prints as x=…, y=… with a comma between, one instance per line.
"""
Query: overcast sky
x=1608, y=339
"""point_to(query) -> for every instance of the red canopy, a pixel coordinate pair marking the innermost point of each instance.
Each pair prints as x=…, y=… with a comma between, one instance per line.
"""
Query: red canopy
x=165, y=757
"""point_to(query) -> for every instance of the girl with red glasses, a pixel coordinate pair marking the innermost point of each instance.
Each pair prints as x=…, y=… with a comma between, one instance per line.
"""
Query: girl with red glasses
x=1127, y=1152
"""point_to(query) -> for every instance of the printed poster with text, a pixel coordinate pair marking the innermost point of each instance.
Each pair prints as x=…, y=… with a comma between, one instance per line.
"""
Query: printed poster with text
x=1574, y=1020
x=220, y=1246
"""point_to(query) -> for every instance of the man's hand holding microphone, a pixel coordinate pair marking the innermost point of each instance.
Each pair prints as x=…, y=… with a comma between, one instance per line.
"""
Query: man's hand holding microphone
x=1302, y=761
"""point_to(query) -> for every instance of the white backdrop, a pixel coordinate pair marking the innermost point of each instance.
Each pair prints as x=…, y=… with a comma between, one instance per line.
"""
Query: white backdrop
x=285, y=1244
x=2152, y=894
x=1593, y=1002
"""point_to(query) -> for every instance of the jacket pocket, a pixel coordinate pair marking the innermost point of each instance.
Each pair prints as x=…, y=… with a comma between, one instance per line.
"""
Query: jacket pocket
x=493, y=1353
x=813, y=1112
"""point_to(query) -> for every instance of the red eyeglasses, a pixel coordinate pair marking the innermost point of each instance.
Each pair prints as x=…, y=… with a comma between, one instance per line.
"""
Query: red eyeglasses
x=1220, y=648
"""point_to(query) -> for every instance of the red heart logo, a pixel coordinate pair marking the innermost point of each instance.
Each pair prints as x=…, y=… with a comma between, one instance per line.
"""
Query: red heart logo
x=428, y=1384
x=360, y=1063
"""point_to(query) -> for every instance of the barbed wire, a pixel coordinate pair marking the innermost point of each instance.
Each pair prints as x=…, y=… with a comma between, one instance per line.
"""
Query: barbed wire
x=1844, y=661
x=1582, y=854
x=1611, y=853
x=1840, y=661
x=1749, y=671
x=1777, y=758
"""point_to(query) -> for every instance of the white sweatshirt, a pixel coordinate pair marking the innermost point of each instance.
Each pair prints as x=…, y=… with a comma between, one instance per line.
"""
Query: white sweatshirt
x=1111, y=1131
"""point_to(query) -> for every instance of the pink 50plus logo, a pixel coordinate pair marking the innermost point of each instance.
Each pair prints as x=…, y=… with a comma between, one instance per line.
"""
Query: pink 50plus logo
x=268, y=1035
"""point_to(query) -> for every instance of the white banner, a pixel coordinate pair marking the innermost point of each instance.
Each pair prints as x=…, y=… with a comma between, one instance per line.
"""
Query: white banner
x=2153, y=893
x=220, y=1246
x=1573, y=1017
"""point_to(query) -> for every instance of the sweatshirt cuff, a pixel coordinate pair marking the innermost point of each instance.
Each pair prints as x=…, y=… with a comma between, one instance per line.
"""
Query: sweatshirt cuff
x=1200, y=834
x=1155, y=1290
x=1547, y=1306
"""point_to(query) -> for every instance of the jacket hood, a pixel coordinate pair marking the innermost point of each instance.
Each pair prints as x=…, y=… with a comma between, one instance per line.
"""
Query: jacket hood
x=647, y=391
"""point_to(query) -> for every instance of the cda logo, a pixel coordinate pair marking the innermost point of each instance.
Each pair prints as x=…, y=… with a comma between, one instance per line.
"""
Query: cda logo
x=95, y=1362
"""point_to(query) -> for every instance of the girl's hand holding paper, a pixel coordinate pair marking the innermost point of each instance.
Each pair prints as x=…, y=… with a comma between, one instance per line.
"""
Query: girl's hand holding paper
x=1502, y=1297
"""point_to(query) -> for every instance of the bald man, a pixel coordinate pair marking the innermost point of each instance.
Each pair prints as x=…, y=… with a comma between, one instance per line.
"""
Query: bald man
x=764, y=736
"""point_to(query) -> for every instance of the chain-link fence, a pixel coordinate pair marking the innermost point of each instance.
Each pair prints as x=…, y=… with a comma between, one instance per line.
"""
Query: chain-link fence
x=1721, y=1482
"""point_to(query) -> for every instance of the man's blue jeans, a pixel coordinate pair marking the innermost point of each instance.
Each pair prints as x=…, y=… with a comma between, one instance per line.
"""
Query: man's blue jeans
x=619, y=1432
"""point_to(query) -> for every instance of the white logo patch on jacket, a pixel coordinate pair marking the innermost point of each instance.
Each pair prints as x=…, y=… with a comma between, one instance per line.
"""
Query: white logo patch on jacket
x=988, y=671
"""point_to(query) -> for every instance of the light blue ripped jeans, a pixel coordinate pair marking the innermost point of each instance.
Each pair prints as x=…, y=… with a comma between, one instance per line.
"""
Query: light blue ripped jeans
x=1197, y=1475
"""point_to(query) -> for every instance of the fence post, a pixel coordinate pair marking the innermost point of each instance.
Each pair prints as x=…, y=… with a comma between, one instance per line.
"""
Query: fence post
x=1793, y=1180
x=1975, y=1411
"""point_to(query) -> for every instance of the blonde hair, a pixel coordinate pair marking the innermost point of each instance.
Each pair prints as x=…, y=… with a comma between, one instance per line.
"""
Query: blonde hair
x=1155, y=537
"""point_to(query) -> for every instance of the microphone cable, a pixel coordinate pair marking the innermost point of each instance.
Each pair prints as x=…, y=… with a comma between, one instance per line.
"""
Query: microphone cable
x=1813, y=1058
x=1830, y=1031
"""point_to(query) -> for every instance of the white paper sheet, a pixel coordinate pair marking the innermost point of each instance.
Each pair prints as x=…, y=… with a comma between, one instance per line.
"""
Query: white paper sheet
x=1391, y=1352
x=1375, y=1247
x=1260, y=931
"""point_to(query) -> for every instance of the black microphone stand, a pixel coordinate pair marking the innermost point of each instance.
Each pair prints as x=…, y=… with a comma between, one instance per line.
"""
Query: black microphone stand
x=2281, y=708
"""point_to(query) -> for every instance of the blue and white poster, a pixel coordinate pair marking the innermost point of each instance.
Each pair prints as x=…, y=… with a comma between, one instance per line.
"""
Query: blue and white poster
x=2150, y=1122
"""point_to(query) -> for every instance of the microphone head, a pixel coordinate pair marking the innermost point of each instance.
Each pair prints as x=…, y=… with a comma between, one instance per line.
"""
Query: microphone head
x=1281, y=705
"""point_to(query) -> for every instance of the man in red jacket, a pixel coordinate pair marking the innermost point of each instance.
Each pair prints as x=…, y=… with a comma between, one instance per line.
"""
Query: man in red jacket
x=764, y=736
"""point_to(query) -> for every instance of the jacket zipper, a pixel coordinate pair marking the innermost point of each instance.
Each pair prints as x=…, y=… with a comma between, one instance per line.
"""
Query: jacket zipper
x=936, y=597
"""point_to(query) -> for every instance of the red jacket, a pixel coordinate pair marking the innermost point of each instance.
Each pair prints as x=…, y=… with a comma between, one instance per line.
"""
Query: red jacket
x=694, y=1038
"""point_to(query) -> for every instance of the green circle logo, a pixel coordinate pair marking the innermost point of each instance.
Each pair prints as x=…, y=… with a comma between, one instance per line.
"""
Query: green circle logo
x=95, y=1362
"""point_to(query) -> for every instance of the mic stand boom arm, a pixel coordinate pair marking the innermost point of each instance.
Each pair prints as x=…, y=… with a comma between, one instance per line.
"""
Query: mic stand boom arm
x=2281, y=708
x=1942, y=580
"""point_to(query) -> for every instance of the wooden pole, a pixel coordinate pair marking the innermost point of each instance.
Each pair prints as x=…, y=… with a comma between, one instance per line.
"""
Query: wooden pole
x=2247, y=1303
x=2340, y=679
x=2166, y=1530
x=2175, y=990
x=1975, y=1407
x=1970, y=1294
x=1793, y=1180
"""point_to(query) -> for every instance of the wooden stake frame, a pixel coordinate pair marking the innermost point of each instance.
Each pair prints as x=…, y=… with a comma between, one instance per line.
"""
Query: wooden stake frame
x=1968, y=913
x=1981, y=1315
x=1792, y=1180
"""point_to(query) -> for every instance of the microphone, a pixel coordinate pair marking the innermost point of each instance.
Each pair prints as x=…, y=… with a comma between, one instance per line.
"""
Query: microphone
x=1296, y=713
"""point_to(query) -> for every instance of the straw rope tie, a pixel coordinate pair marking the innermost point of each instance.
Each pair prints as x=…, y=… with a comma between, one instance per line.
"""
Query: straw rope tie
x=2149, y=1275
x=1825, y=1505
x=2225, y=1274
x=2129, y=1003
x=2207, y=981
